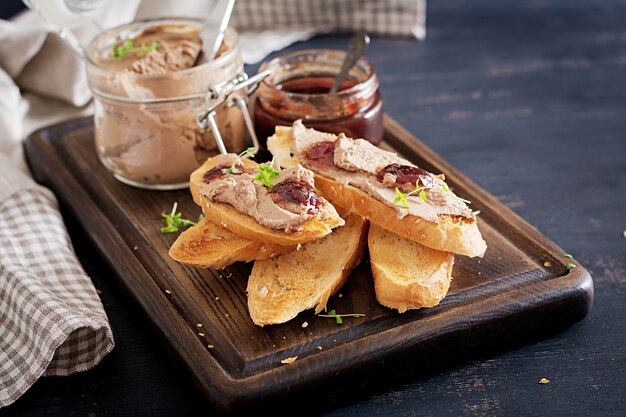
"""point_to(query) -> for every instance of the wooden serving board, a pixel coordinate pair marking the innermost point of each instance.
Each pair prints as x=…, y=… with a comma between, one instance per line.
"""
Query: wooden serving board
x=509, y=294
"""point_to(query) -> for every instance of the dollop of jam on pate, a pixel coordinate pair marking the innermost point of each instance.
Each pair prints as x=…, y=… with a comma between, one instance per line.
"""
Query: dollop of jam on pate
x=322, y=154
x=396, y=175
x=296, y=192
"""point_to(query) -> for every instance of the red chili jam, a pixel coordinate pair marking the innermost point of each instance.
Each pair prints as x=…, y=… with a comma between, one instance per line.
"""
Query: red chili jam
x=322, y=154
x=297, y=193
x=406, y=174
x=299, y=88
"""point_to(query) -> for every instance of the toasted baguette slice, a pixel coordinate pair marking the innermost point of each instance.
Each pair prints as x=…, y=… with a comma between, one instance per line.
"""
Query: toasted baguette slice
x=247, y=227
x=207, y=245
x=282, y=287
x=449, y=234
x=407, y=275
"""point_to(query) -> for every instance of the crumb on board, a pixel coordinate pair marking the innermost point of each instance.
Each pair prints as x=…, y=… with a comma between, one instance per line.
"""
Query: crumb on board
x=201, y=334
x=289, y=360
x=210, y=346
x=300, y=245
x=320, y=348
x=168, y=292
x=199, y=325
x=305, y=324
x=340, y=295
x=217, y=298
x=544, y=381
x=135, y=247
x=547, y=264
x=98, y=291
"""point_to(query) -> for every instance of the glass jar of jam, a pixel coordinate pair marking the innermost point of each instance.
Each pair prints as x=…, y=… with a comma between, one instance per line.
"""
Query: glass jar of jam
x=299, y=88
x=150, y=82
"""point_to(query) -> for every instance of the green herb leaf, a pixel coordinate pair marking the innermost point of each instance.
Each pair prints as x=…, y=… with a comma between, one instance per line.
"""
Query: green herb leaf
x=423, y=195
x=174, y=220
x=567, y=255
x=570, y=266
x=200, y=217
x=120, y=51
x=400, y=198
x=266, y=175
x=338, y=317
x=233, y=167
x=247, y=152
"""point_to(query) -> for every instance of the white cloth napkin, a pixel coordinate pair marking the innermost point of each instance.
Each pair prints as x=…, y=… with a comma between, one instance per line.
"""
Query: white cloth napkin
x=51, y=319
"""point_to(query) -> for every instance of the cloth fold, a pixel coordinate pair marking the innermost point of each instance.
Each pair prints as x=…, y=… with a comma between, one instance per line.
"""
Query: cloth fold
x=52, y=321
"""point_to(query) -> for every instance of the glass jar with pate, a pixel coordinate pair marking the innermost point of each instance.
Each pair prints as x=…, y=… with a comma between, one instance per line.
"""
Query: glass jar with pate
x=299, y=88
x=150, y=82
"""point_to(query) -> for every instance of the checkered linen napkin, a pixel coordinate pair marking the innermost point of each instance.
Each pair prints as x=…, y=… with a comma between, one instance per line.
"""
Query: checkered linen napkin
x=51, y=319
x=384, y=17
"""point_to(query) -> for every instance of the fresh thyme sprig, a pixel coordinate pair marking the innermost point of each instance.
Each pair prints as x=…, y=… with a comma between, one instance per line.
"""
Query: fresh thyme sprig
x=119, y=51
x=337, y=317
x=174, y=220
x=233, y=167
x=401, y=197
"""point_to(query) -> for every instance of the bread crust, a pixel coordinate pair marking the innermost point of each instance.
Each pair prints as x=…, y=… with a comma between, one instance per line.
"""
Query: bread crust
x=282, y=287
x=207, y=245
x=406, y=274
x=226, y=216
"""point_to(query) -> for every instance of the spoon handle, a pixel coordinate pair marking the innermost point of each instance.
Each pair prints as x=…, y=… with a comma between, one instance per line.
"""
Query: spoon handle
x=356, y=47
x=212, y=31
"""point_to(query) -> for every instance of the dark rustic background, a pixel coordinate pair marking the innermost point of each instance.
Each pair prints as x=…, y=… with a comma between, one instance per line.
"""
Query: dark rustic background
x=529, y=100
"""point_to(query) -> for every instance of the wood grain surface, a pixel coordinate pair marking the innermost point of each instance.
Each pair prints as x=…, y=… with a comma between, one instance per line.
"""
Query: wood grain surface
x=203, y=315
x=529, y=100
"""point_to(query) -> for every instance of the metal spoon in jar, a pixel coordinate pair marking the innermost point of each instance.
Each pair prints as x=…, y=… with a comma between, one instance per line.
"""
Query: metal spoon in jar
x=358, y=44
x=213, y=28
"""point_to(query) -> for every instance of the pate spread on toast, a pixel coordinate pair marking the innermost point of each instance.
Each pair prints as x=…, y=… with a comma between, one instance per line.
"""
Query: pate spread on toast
x=379, y=185
x=377, y=172
x=286, y=205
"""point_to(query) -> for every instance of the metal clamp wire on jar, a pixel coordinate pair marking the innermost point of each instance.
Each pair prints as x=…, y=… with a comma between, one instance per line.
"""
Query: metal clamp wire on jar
x=221, y=94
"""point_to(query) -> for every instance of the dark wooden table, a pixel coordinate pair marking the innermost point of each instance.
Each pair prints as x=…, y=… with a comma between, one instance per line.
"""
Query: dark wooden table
x=527, y=99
